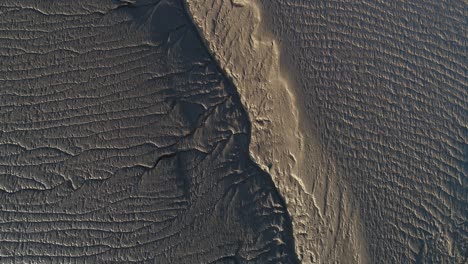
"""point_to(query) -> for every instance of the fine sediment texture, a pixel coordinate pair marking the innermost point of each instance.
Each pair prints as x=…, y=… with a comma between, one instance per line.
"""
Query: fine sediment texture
x=385, y=85
x=233, y=131
x=122, y=142
x=326, y=229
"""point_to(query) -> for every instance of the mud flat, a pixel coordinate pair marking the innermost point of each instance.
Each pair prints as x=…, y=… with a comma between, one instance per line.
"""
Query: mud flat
x=121, y=141
x=325, y=226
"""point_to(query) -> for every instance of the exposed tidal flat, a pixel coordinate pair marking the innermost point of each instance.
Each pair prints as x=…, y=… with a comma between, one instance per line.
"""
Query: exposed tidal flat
x=233, y=131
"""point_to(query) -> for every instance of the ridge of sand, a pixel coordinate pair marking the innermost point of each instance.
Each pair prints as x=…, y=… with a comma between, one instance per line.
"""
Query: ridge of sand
x=230, y=30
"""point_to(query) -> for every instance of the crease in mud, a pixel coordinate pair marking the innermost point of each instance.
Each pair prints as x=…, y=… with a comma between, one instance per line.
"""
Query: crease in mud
x=233, y=90
x=280, y=163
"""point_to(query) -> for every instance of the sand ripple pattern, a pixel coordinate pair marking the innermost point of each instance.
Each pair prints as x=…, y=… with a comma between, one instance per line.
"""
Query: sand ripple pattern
x=122, y=142
x=386, y=84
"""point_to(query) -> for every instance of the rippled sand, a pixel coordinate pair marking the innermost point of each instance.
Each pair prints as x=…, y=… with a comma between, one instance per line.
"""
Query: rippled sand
x=121, y=141
x=233, y=131
x=376, y=95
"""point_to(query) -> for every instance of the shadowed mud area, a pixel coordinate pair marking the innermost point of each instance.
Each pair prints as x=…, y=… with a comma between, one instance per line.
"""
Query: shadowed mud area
x=122, y=142
x=383, y=87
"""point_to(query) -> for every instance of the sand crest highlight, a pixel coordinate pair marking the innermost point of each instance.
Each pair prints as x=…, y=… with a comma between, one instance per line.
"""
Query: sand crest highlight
x=230, y=30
